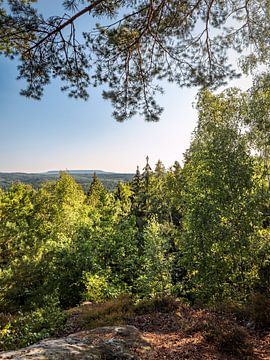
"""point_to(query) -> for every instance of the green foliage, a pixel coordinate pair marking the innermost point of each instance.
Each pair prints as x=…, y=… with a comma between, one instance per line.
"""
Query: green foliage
x=221, y=204
x=96, y=192
x=200, y=231
x=109, y=180
x=259, y=122
x=155, y=273
x=97, y=288
x=100, y=288
x=37, y=227
x=123, y=194
x=28, y=328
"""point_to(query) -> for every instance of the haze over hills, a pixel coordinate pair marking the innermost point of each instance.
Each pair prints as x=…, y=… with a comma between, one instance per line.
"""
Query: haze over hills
x=80, y=172
x=83, y=177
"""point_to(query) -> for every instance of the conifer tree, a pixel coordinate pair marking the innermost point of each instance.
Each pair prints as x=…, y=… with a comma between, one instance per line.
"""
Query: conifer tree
x=96, y=193
x=124, y=194
x=155, y=269
x=140, y=198
x=137, y=198
x=136, y=182
x=157, y=193
x=147, y=171
x=159, y=168
x=174, y=186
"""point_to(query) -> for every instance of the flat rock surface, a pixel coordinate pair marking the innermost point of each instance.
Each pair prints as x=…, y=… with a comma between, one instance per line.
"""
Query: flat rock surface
x=105, y=343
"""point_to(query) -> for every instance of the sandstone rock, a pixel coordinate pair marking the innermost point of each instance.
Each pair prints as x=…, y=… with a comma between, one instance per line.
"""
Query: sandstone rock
x=106, y=343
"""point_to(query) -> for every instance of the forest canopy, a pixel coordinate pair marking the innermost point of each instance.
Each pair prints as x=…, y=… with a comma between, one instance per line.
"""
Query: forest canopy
x=128, y=47
x=199, y=232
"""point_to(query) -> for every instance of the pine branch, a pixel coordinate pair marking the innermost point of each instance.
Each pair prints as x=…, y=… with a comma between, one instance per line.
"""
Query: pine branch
x=59, y=28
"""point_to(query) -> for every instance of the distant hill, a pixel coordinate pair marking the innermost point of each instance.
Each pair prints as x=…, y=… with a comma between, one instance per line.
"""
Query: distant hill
x=53, y=172
x=83, y=177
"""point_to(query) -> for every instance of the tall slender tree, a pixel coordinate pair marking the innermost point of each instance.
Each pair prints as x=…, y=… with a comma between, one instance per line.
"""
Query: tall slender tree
x=220, y=209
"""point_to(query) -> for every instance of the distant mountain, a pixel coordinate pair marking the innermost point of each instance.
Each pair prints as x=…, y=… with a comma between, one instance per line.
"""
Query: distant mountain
x=83, y=177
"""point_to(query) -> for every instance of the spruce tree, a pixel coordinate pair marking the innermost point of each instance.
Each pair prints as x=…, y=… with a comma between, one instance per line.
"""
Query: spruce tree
x=96, y=192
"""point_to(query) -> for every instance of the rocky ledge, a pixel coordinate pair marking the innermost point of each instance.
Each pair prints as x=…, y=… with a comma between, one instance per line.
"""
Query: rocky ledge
x=105, y=343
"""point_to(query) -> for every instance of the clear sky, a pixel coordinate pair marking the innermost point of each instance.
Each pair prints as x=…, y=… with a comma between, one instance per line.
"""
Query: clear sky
x=61, y=133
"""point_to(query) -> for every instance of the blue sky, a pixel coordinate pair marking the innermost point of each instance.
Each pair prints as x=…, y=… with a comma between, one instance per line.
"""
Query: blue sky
x=61, y=133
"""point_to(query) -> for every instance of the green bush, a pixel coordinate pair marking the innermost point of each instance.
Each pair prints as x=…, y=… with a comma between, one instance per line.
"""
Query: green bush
x=99, y=288
x=28, y=328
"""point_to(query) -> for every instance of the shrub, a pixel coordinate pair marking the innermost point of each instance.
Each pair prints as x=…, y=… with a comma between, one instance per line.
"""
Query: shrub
x=165, y=304
x=258, y=310
x=99, y=288
x=234, y=341
x=119, y=311
x=229, y=338
x=113, y=312
x=28, y=328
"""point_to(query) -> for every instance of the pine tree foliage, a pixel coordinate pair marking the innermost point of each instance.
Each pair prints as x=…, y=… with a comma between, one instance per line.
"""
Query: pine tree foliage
x=130, y=46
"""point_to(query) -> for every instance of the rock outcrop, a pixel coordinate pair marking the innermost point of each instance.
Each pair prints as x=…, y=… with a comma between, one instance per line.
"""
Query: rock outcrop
x=105, y=343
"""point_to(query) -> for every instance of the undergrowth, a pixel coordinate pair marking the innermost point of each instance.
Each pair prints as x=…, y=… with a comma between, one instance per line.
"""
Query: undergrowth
x=119, y=311
x=223, y=332
x=27, y=328
x=219, y=327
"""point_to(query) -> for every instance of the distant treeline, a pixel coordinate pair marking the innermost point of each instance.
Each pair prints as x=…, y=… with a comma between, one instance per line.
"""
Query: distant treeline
x=109, y=180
